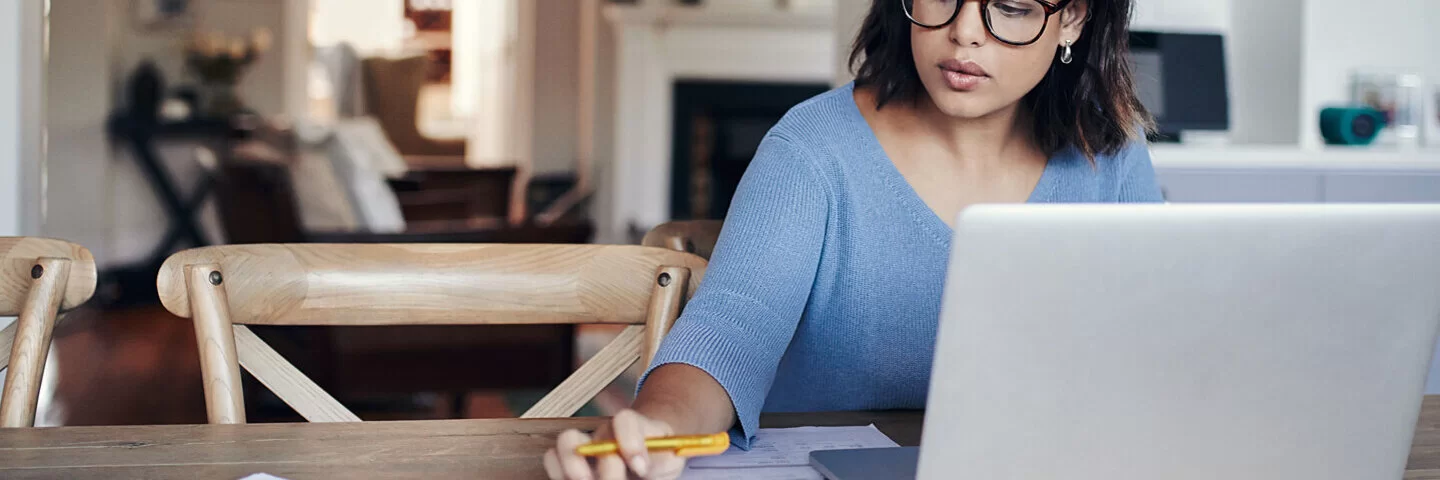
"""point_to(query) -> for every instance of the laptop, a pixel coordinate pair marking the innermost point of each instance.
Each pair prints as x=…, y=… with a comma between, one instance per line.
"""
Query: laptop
x=1123, y=342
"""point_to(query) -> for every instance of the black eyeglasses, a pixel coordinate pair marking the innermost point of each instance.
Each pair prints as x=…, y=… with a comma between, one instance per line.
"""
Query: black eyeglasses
x=1015, y=22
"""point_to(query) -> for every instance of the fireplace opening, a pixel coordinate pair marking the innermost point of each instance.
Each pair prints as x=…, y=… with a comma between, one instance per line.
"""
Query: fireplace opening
x=718, y=127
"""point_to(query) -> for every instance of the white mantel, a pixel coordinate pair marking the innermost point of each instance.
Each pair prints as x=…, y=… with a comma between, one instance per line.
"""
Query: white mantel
x=657, y=43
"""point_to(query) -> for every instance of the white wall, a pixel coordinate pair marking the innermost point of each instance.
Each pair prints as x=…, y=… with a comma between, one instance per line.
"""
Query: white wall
x=1182, y=15
x=1433, y=134
x=21, y=116
x=10, y=118
x=295, y=53
x=79, y=98
x=373, y=27
x=521, y=102
x=552, y=29
x=1341, y=37
x=1265, y=68
x=263, y=87
x=602, y=202
x=557, y=85
x=849, y=15
x=485, y=78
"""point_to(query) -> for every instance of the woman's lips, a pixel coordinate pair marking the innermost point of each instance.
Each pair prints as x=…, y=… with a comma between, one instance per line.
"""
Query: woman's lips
x=963, y=76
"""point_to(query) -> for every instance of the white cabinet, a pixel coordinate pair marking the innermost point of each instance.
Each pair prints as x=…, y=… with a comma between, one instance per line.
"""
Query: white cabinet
x=1414, y=187
x=1255, y=186
x=1272, y=174
x=1202, y=186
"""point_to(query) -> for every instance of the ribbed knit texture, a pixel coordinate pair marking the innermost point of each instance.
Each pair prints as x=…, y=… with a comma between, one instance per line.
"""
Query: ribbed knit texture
x=823, y=293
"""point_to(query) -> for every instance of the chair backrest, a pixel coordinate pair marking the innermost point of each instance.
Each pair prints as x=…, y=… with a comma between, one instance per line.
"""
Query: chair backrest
x=693, y=236
x=225, y=288
x=39, y=278
x=392, y=95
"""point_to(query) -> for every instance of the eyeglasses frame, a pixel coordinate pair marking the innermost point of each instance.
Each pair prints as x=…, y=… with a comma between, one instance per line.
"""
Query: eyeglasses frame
x=1051, y=8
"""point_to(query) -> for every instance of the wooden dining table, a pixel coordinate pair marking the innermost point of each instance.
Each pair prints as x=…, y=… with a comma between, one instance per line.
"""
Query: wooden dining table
x=497, y=448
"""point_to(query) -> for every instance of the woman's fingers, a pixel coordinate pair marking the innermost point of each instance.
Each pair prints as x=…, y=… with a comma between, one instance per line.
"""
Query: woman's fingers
x=611, y=467
x=665, y=466
x=552, y=466
x=572, y=464
x=630, y=429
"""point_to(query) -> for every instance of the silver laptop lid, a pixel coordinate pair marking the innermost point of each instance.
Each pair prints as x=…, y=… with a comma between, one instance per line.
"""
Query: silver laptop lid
x=1183, y=342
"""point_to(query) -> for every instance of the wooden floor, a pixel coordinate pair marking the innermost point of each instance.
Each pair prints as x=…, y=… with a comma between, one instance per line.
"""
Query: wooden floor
x=140, y=367
x=126, y=367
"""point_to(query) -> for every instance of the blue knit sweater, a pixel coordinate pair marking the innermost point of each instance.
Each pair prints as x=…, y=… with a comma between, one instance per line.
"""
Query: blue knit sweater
x=823, y=293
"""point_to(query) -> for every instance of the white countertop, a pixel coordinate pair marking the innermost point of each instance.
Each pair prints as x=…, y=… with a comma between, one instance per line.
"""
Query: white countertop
x=1294, y=158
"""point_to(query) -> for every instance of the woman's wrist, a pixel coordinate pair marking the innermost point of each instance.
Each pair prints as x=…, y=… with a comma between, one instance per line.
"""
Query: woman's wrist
x=672, y=416
x=682, y=418
x=686, y=399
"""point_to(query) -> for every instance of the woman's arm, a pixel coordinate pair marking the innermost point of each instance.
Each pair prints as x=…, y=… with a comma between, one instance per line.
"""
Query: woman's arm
x=687, y=399
x=742, y=319
x=717, y=363
x=1137, y=181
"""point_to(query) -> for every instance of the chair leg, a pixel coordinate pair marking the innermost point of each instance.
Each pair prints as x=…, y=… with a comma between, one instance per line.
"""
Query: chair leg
x=219, y=363
x=32, y=342
x=667, y=299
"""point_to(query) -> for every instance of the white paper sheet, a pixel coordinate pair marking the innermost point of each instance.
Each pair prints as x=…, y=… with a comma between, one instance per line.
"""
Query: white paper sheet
x=784, y=453
x=752, y=473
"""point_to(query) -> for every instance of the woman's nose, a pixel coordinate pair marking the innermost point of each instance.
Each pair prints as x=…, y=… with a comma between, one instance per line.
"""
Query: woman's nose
x=969, y=26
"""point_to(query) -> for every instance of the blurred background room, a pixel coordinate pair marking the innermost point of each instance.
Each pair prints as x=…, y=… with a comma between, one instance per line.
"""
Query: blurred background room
x=139, y=128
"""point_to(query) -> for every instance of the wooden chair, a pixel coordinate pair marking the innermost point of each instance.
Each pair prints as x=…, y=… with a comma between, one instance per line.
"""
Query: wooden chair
x=693, y=236
x=225, y=288
x=39, y=278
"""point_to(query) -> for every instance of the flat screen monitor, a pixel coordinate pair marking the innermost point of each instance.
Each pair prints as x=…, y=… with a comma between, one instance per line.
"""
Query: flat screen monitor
x=1181, y=80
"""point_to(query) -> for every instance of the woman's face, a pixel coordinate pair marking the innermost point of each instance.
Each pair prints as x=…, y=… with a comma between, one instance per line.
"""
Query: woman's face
x=970, y=74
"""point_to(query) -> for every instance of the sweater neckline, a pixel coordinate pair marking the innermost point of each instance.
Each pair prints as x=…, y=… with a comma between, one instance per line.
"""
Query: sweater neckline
x=906, y=193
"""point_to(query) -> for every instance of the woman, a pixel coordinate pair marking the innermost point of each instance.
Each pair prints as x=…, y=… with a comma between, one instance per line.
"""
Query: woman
x=823, y=293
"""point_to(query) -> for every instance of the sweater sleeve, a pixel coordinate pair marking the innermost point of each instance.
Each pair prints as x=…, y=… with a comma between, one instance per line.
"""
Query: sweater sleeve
x=1137, y=181
x=758, y=282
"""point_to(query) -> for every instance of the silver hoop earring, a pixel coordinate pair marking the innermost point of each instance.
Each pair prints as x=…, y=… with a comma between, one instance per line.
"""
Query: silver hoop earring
x=1068, y=55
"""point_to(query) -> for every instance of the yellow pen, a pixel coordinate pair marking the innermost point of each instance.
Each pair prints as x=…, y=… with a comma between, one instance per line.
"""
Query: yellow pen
x=684, y=446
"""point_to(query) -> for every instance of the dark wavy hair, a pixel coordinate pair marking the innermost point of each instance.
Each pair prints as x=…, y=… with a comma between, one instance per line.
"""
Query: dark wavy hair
x=1089, y=104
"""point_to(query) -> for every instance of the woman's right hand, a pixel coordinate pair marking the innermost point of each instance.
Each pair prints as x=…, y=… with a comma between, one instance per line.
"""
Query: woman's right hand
x=629, y=429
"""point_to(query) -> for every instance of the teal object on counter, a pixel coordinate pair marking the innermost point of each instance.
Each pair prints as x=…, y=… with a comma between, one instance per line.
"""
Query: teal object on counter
x=1351, y=125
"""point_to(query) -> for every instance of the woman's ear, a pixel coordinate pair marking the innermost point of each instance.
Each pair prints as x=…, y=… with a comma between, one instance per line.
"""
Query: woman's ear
x=1073, y=19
